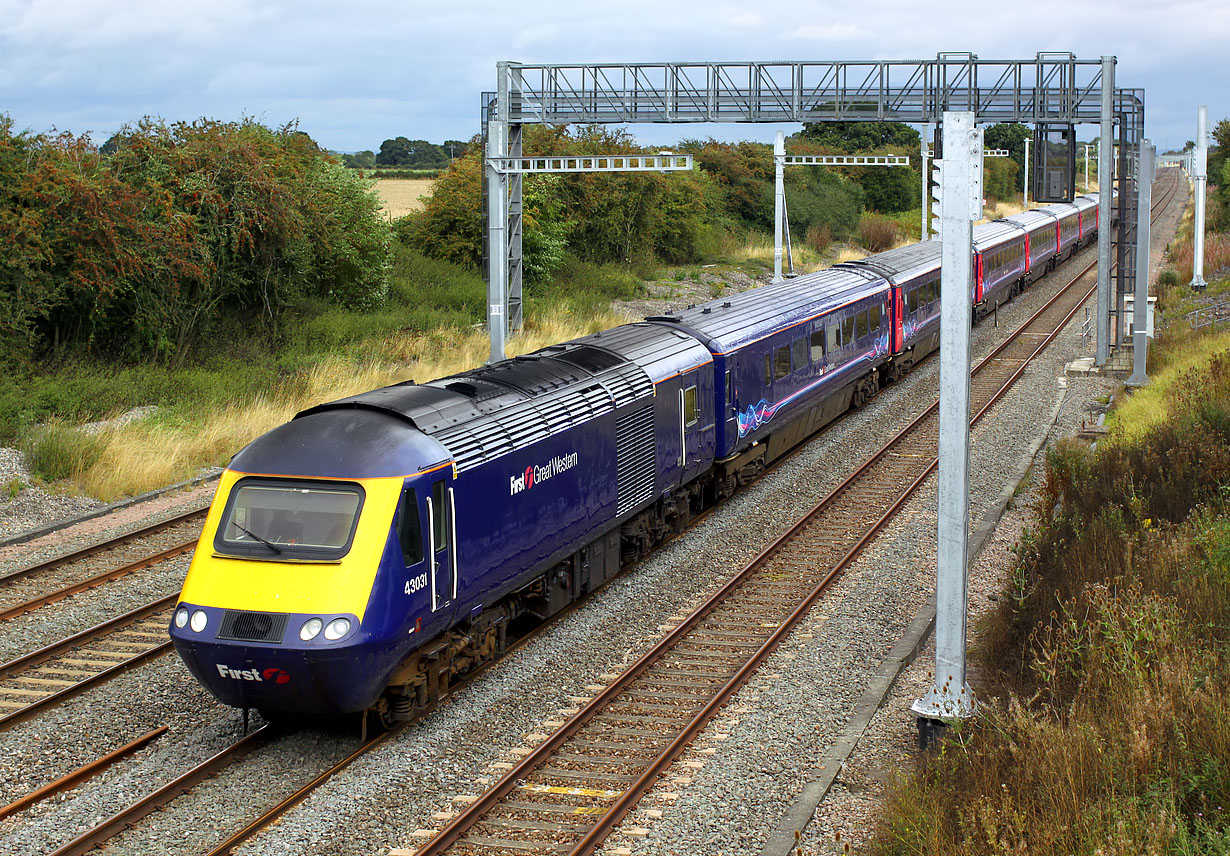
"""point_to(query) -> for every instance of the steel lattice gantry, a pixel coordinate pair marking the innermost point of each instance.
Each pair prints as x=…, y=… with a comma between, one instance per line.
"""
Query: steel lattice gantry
x=1050, y=88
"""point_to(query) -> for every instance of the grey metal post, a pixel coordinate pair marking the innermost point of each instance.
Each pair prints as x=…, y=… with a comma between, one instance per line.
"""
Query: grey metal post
x=513, y=223
x=1086, y=167
x=950, y=697
x=1106, y=165
x=497, y=212
x=1129, y=189
x=1140, y=310
x=1025, y=197
x=923, y=234
x=1201, y=178
x=779, y=201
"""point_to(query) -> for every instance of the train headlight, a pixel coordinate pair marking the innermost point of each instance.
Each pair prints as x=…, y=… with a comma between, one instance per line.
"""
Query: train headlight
x=337, y=628
x=199, y=620
x=181, y=617
x=310, y=629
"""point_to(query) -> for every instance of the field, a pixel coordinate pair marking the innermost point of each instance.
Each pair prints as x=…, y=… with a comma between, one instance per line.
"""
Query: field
x=402, y=195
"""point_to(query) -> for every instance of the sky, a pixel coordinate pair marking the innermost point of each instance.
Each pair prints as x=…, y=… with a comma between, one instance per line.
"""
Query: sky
x=354, y=74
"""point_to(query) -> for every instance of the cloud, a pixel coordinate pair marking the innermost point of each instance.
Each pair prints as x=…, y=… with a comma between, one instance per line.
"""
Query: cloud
x=827, y=32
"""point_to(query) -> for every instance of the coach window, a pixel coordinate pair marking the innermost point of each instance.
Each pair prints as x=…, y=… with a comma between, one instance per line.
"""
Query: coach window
x=817, y=345
x=691, y=410
x=832, y=334
x=847, y=332
x=798, y=349
x=874, y=317
x=730, y=388
x=861, y=322
x=408, y=531
x=911, y=300
x=781, y=363
x=768, y=368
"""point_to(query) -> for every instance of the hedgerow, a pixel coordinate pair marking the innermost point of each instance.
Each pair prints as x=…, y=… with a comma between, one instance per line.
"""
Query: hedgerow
x=141, y=252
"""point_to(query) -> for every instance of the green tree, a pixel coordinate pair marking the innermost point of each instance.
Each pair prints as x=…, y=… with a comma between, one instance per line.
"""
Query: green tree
x=860, y=137
x=412, y=154
x=360, y=160
x=1010, y=136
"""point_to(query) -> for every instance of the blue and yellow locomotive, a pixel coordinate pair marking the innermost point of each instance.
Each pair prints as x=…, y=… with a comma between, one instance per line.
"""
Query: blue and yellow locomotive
x=359, y=556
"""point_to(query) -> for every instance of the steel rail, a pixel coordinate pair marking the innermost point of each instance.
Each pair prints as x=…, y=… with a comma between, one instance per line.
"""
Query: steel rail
x=14, y=668
x=472, y=815
x=81, y=774
x=117, y=541
x=125, y=818
x=97, y=580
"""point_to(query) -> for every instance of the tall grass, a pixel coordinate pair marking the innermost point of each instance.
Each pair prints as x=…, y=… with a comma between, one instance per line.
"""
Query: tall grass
x=1112, y=649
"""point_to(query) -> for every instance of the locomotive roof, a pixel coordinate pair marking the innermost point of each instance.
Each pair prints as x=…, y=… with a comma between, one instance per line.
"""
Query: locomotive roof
x=661, y=351
x=730, y=323
x=479, y=414
x=903, y=263
x=347, y=444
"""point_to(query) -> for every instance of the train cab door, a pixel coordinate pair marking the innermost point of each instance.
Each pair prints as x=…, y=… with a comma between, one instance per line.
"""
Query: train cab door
x=441, y=544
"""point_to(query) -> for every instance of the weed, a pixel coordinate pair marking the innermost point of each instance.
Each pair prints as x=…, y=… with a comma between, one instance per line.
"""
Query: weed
x=12, y=488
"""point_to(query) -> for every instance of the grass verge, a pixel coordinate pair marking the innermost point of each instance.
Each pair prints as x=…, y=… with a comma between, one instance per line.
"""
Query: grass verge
x=1112, y=651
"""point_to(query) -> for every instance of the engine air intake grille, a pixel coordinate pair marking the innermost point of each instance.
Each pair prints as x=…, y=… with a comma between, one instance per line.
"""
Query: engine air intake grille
x=252, y=626
x=634, y=459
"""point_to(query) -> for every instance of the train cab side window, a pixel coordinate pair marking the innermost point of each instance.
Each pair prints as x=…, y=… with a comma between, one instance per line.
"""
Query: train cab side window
x=817, y=345
x=832, y=334
x=798, y=351
x=691, y=407
x=781, y=363
x=730, y=389
x=768, y=368
x=874, y=317
x=440, y=509
x=861, y=320
x=847, y=331
x=409, y=532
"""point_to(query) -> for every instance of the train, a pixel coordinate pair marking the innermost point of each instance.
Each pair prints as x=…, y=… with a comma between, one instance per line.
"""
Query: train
x=364, y=554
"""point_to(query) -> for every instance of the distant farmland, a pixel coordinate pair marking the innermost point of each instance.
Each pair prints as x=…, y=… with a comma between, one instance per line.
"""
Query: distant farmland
x=401, y=195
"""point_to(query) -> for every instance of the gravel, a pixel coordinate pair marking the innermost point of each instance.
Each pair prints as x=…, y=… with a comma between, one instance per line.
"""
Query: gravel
x=725, y=801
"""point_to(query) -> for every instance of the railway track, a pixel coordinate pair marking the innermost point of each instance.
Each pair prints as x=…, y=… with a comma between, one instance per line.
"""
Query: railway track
x=43, y=678
x=574, y=788
x=38, y=585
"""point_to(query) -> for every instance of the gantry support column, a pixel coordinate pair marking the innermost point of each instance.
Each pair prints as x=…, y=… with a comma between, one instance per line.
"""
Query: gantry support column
x=950, y=697
x=1201, y=176
x=497, y=232
x=1106, y=160
x=1140, y=305
x=779, y=200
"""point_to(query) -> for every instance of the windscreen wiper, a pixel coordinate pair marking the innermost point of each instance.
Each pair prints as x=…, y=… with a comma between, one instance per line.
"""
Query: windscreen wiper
x=272, y=546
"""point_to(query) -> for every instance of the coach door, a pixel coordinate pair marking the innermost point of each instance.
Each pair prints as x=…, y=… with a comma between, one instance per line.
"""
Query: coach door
x=441, y=544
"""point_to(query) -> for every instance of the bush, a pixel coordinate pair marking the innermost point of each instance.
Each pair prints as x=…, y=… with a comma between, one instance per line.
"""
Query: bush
x=143, y=251
x=60, y=452
x=819, y=238
x=877, y=233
